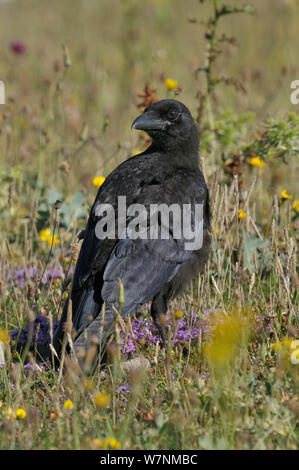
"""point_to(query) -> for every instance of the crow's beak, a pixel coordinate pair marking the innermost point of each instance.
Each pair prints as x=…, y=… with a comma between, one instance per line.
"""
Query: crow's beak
x=145, y=123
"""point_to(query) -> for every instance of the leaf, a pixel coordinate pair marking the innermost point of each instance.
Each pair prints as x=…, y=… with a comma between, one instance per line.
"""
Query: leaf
x=74, y=209
x=52, y=195
x=249, y=247
x=206, y=443
x=159, y=420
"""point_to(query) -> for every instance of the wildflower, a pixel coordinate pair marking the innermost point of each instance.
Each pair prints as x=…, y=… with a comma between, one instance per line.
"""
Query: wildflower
x=178, y=314
x=242, y=214
x=107, y=443
x=45, y=234
x=285, y=195
x=280, y=345
x=88, y=384
x=4, y=336
x=295, y=205
x=102, y=399
x=257, y=161
x=138, y=151
x=68, y=405
x=171, y=84
x=98, y=181
x=20, y=413
x=40, y=335
x=18, y=47
x=228, y=332
x=52, y=239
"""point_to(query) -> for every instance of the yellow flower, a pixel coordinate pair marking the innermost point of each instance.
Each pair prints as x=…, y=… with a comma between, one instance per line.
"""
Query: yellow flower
x=285, y=195
x=257, y=161
x=242, y=214
x=107, y=443
x=4, y=336
x=178, y=314
x=102, y=399
x=138, y=151
x=171, y=84
x=20, y=413
x=68, y=405
x=88, y=384
x=98, y=181
x=45, y=234
x=295, y=205
x=284, y=344
x=51, y=239
x=228, y=333
x=9, y=412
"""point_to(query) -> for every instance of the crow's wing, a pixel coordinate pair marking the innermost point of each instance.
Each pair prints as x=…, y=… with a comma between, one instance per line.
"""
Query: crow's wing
x=143, y=266
x=127, y=180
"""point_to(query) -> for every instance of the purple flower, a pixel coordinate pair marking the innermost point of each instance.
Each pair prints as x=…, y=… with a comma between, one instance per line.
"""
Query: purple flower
x=41, y=333
x=18, y=47
x=124, y=388
x=21, y=275
x=52, y=273
x=144, y=331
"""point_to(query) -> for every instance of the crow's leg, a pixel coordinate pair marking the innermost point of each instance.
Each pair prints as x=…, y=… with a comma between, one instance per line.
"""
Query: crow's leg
x=158, y=311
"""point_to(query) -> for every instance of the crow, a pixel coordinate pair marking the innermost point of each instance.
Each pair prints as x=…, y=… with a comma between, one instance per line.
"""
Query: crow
x=149, y=268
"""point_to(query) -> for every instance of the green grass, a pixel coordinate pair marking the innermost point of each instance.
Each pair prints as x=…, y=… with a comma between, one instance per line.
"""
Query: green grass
x=235, y=388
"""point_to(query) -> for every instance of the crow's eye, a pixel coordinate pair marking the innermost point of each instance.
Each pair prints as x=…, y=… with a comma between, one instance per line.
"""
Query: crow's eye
x=172, y=113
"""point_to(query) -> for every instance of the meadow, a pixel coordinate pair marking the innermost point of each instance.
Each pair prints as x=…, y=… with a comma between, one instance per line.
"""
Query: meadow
x=76, y=74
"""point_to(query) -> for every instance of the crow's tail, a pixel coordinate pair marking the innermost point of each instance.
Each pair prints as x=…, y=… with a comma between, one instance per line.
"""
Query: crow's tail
x=94, y=338
x=84, y=310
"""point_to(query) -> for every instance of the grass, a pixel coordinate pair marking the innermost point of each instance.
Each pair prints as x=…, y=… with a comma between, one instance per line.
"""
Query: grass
x=233, y=384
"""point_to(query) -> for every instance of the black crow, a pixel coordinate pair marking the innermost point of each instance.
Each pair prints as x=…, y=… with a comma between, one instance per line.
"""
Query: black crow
x=149, y=268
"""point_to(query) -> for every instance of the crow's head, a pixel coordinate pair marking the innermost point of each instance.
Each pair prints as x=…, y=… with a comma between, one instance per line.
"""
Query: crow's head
x=169, y=123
